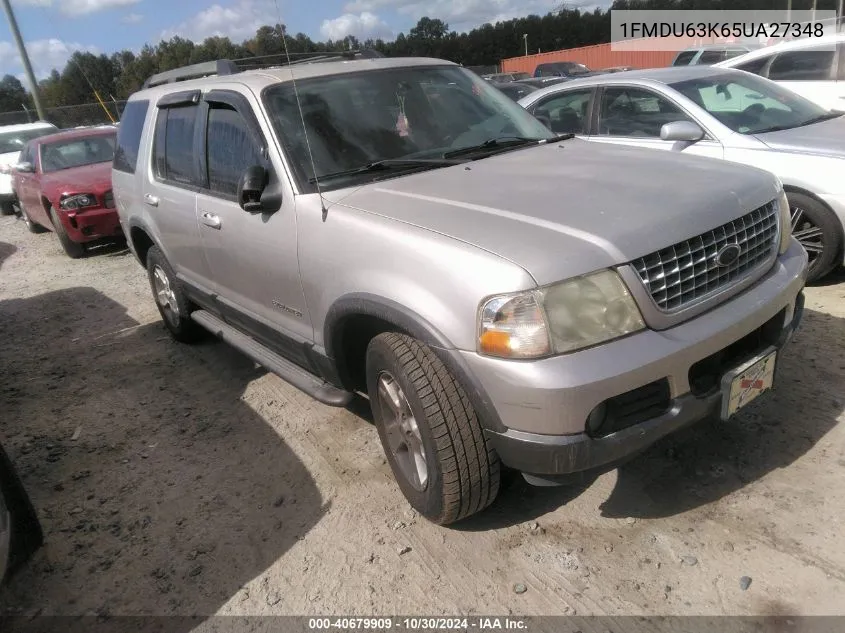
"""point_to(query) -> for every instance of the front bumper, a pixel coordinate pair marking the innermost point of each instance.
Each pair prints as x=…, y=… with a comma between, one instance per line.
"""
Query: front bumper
x=7, y=192
x=544, y=405
x=87, y=225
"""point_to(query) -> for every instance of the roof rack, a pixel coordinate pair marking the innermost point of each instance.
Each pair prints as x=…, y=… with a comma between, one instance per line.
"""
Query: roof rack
x=223, y=67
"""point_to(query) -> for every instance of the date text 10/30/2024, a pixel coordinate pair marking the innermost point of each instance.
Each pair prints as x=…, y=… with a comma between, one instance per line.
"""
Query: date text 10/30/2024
x=417, y=624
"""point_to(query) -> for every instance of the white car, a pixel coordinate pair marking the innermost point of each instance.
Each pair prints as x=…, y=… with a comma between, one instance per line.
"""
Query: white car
x=721, y=113
x=12, y=140
x=812, y=67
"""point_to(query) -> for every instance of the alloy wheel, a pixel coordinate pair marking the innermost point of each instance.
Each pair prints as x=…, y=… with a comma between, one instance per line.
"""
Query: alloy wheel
x=165, y=296
x=402, y=430
x=808, y=234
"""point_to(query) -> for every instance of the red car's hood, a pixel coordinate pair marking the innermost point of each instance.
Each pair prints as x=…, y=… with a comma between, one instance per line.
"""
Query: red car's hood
x=94, y=179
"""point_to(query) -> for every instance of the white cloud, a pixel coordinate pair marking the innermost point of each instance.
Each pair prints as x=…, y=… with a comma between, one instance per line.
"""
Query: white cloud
x=462, y=15
x=362, y=26
x=132, y=18
x=77, y=7
x=45, y=55
x=238, y=21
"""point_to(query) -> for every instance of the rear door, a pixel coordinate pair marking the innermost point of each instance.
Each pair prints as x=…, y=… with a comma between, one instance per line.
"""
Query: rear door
x=170, y=191
x=811, y=72
x=252, y=255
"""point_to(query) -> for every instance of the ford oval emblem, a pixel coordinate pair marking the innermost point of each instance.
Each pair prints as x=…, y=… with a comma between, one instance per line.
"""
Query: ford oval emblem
x=727, y=255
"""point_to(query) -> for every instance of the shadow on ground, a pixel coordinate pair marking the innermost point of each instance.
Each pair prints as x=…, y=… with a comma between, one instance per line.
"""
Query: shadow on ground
x=160, y=491
x=713, y=459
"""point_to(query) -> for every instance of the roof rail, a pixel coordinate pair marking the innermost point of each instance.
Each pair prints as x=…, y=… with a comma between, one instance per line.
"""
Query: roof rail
x=234, y=66
x=194, y=71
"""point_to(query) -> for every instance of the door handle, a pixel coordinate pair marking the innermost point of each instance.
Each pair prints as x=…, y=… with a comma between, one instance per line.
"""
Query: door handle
x=210, y=219
x=151, y=200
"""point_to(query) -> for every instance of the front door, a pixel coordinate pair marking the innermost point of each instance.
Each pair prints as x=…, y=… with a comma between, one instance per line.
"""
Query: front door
x=26, y=185
x=634, y=116
x=252, y=255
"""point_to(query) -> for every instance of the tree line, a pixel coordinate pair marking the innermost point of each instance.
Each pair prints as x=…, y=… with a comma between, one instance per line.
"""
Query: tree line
x=116, y=76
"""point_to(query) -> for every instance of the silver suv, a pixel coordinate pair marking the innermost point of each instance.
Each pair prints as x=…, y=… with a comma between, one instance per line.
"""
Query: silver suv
x=400, y=229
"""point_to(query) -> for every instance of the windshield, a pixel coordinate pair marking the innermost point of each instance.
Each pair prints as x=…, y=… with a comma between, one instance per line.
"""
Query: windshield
x=360, y=118
x=77, y=152
x=749, y=104
x=14, y=141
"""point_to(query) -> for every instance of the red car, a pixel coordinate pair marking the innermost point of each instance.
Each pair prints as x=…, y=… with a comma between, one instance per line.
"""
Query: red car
x=63, y=183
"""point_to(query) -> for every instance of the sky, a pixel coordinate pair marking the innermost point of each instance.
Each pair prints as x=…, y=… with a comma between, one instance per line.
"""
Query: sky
x=53, y=29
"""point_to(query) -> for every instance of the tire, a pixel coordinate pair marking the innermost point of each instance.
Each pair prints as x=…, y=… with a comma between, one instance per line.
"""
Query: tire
x=31, y=226
x=7, y=208
x=72, y=249
x=819, y=231
x=432, y=418
x=173, y=305
x=26, y=534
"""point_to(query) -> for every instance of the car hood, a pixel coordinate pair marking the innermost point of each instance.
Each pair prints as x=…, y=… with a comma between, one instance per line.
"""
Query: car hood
x=570, y=208
x=826, y=138
x=94, y=179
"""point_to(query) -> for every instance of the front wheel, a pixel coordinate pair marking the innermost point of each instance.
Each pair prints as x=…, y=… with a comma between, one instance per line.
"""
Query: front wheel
x=429, y=430
x=72, y=249
x=171, y=301
x=818, y=230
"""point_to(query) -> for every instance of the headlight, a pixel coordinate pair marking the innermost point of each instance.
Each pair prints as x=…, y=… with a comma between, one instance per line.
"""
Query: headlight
x=561, y=318
x=78, y=201
x=785, y=222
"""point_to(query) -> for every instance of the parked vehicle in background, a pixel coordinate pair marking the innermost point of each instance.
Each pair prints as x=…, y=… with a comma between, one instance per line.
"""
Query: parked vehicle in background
x=561, y=69
x=721, y=113
x=617, y=69
x=63, y=183
x=515, y=90
x=709, y=54
x=812, y=67
x=542, y=82
x=506, y=77
x=12, y=141
x=20, y=530
x=400, y=228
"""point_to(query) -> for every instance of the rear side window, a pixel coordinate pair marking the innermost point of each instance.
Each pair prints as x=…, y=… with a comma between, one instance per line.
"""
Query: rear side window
x=684, y=58
x=231, y=149
x=708, y=58
x=129, y=135
x=755, y=65
x=173, y=150
x=811, y=65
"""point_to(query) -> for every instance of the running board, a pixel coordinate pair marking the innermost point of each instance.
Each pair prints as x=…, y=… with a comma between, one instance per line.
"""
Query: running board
x=286, y=370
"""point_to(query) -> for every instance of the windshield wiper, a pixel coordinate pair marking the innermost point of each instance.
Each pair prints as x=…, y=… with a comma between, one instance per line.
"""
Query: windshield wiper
x=818, y=119
x=504, y=142
x=388, y=163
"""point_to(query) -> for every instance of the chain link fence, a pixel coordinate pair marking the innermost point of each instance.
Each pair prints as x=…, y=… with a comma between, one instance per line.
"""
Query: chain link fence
x=68, y=116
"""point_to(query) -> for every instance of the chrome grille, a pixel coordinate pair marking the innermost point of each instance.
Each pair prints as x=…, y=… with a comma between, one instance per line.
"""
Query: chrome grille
x=681, y=274
x=108, y=200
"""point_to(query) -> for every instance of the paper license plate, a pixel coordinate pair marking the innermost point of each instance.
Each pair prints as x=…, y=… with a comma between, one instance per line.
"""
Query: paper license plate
x=746, y=382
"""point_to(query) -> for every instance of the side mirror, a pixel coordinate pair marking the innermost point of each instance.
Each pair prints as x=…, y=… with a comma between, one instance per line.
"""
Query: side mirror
x=253, y=193
x=25, y=168
x=681, y=131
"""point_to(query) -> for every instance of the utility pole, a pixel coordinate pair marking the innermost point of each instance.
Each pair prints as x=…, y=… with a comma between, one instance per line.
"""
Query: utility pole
x=840, y=16
x=13, y=27
x=525, y=39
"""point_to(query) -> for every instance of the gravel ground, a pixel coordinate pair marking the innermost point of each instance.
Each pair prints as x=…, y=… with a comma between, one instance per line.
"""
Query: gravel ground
x=176, y=479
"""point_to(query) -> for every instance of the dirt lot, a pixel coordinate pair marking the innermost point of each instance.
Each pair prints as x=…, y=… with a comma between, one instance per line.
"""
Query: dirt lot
x=183, y=480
